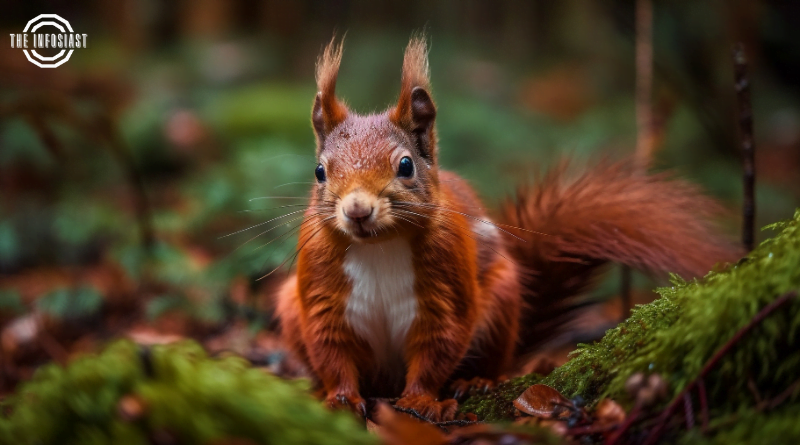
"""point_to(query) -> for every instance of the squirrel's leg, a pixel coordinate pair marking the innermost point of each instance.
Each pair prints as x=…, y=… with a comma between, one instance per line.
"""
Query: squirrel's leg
x=436, y=344
x=335, y=352
x=288, y=312
x=491, y=354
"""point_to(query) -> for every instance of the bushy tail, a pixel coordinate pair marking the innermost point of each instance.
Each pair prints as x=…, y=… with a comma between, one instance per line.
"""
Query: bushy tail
x=607, y=214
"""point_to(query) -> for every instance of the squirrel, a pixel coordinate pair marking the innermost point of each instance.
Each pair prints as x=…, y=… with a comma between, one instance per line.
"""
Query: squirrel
x=404, y=283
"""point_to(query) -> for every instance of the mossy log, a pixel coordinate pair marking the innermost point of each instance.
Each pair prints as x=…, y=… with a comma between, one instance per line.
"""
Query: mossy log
x=676, y=335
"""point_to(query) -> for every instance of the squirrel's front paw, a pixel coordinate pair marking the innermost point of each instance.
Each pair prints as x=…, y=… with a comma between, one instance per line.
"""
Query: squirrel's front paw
x=463, y=389
x=353, y=402
x=429, y=407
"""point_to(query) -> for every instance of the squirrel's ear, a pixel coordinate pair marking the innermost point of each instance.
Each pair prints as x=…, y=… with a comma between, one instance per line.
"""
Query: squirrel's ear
x=328, y=111
x=415, y=111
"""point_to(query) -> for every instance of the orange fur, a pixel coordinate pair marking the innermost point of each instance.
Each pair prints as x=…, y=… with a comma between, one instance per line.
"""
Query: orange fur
x=415, y=74
x=606, y=214
x=328, y=111
x=471, y=278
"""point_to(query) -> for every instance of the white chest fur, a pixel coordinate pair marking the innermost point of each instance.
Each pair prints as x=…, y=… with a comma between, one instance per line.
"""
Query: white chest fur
x=382, y=305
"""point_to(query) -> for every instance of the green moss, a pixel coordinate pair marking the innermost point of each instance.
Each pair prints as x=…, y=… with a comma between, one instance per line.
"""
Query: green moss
x=496, y=405
x=749, y=427
x=676, y=335
x=187, y=395
x=593, y=366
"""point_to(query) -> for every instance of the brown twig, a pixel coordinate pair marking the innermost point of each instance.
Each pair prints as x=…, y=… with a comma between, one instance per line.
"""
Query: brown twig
x=745, y=113
x=701, y=389
x=688, y=410
x=645, y=141
x=442, y=425
x=632, y=416
x=644, y=82
x=711, y=363
x=780, y=398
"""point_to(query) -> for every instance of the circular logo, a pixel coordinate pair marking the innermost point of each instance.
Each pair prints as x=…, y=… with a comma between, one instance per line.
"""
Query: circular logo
x=48, y=31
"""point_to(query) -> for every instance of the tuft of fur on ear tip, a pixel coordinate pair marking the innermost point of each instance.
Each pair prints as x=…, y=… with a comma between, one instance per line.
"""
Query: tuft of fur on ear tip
x=416, y=72
x=328, y=111
x=328, y=68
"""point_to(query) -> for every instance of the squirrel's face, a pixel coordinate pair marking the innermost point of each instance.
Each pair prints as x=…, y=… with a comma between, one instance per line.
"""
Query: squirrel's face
x=379, y=171
x=376, y=179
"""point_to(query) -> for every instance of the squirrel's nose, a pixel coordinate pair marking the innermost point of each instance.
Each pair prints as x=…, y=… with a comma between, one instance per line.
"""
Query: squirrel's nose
x=358, y=212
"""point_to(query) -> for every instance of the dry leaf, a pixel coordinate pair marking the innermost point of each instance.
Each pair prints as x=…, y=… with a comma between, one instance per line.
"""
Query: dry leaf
x=131, y=408
x=400, y=429
x=610, y=412
x=543, y=401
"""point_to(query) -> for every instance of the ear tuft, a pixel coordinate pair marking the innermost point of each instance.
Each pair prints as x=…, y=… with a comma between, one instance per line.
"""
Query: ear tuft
x=415, y=109
x=328, y=111
x=328, y=66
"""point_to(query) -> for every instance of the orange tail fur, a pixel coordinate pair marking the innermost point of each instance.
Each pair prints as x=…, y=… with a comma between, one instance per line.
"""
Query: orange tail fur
x=608, y=214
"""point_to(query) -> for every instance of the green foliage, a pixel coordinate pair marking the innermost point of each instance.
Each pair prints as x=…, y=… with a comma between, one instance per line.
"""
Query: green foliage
x=750, y=426
x=10, y=303
x=186, y=394
x=70, y=303
x=677, y=334
x=8, y=241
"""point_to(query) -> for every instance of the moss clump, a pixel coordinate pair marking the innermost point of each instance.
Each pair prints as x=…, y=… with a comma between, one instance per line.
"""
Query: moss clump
x=183, y=395
x=496, y=405
x=675, y=335
x=593, y=366
x=749, y=426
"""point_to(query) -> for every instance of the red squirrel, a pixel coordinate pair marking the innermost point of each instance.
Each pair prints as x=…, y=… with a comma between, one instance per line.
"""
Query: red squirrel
x=404, y=283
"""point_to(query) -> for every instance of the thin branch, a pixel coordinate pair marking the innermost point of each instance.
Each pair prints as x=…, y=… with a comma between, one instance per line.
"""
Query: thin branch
x=701, y=388
x=632, y=416
x=442, y=425
x=644, y=82
x=745, y=113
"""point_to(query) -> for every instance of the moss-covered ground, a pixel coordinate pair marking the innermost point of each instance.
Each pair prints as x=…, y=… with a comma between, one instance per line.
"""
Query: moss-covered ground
x=172, y=394
x=678, y=333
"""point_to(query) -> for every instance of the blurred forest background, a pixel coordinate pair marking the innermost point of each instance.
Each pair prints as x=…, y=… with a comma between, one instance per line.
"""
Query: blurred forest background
x=122, y=170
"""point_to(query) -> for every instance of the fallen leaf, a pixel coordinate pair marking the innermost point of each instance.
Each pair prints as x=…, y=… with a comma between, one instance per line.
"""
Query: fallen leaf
x=609, y=412
x=131, y=408
x=543, y=401
x=400, y=429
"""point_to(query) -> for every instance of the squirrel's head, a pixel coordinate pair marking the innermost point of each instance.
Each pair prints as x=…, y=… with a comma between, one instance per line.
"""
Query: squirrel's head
x=379, y=171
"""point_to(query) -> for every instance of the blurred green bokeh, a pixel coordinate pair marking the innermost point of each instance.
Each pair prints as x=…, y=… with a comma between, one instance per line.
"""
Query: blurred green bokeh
x=212, y=99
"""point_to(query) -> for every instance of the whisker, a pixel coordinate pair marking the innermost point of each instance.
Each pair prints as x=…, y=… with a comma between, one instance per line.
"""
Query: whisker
x=322, y=223
x=445, y=221
x=433, y=206
x=408, y=220
x=384, y=188
x=273, y=228
x=277, y=197
x=442, y=220
x=262, y=223
x=290, y=154
x=334, y=194
x=293, y=183
x=279, y=207
x=289, y=232
x=298, y=250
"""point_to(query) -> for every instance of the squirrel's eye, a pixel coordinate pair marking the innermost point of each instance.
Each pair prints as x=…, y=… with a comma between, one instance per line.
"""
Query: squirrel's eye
x=406, y=168
x=319, y=172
